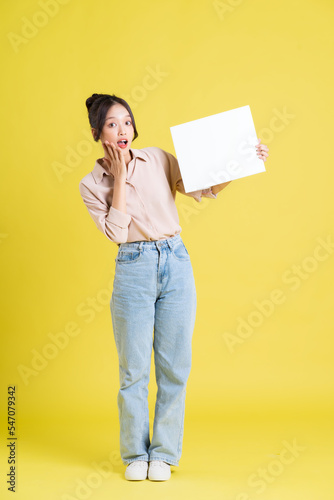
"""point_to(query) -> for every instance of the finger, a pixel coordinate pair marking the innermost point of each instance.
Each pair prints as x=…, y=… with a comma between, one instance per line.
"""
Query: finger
x=111, y=149
x=262, y=146
x=121, y=159
x=262, y=151
x=119, y=153
x=107, y=149
x=116, y=148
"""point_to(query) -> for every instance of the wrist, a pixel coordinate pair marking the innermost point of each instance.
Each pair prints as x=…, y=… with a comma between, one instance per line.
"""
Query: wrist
x=120, y=179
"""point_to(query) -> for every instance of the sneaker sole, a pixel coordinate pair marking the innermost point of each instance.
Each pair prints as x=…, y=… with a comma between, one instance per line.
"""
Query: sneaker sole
x=158, y=478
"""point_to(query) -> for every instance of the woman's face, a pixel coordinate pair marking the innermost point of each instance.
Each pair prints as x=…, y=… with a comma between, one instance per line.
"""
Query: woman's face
x=118, y=128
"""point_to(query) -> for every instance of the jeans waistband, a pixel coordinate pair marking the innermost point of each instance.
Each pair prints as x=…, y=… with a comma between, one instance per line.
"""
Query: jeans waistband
x=155, y=243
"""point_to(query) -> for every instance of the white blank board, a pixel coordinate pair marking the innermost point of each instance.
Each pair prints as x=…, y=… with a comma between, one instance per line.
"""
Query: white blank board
x=217, y=149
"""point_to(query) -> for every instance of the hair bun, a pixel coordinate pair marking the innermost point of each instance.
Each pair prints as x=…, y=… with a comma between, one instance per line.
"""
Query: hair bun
x=91, y=100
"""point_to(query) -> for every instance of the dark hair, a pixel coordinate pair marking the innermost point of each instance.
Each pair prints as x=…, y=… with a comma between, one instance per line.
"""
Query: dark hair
x=98, y=105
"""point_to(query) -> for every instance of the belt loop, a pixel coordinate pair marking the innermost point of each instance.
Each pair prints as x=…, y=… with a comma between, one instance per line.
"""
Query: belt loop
x=140, y=245
x=170, y=244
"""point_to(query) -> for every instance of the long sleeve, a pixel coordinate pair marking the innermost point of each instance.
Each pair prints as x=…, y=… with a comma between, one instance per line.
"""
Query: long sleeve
x=177, y=182
x=112, y=222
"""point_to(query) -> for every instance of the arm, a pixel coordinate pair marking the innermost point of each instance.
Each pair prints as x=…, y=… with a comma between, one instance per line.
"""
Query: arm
x=261, y=150
x=176, y=181
x=218, y=187
x=112, y=221
x=115, y=163
x=119, y=197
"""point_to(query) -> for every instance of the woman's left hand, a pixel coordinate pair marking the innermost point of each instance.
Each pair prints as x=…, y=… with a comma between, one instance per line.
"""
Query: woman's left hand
x=262, y=151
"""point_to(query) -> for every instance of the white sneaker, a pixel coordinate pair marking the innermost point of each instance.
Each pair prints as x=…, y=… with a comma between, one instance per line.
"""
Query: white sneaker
x=159, y=471
x=136, y=471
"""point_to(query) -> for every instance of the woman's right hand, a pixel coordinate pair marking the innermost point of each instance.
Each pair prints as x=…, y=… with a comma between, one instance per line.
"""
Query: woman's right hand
x=114, y=160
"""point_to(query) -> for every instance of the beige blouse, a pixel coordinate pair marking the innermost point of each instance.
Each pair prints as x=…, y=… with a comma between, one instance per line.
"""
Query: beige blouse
x=153, y=177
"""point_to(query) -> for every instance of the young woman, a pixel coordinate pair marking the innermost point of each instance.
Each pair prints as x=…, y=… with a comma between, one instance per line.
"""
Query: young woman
x=130, y=195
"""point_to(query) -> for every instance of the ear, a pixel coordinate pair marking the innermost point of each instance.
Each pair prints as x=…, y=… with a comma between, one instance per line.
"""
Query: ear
x=93, y=132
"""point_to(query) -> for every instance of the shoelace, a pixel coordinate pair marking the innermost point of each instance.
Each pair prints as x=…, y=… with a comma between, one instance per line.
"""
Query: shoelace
x=158, y=463
x=138, y=462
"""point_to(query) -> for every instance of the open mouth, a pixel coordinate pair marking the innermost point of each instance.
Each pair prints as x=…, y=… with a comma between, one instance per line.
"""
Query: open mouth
x=123, y=143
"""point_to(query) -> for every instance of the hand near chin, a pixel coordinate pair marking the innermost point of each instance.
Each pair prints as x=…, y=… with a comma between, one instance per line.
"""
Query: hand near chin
x=113, y=161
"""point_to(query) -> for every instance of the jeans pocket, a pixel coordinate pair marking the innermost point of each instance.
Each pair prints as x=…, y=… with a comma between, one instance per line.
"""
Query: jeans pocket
x=180, y=252
x=128, y=256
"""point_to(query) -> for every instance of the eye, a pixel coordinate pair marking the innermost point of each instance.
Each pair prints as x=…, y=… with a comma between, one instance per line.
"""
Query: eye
x=112, y=123
x=129, y=122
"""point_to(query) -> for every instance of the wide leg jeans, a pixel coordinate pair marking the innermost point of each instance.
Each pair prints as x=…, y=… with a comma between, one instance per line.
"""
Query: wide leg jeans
x=153, y=304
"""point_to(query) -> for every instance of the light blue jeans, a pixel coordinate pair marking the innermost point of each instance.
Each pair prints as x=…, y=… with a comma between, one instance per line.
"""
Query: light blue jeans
x=153, y=303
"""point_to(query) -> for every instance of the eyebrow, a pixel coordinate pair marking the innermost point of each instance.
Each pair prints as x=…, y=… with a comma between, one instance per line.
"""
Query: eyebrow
x=115, y=117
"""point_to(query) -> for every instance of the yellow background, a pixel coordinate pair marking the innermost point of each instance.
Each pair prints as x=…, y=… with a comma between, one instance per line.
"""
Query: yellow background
x=246, y=402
